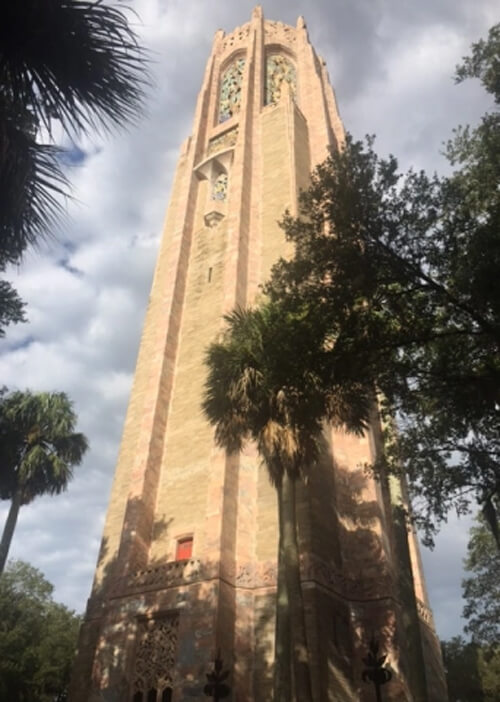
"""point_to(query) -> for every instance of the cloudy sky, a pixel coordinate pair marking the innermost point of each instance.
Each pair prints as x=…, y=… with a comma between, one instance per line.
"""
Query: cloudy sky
x=391, y=63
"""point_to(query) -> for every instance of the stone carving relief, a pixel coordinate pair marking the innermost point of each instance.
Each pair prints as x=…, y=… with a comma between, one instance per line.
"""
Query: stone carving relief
x=156, y=655
x=279, y=69
x=315, y=569
x=224, y=141
x=171, y=574
x=279, y=30
x=230, y=90
x=239, y=35
x=251, y=575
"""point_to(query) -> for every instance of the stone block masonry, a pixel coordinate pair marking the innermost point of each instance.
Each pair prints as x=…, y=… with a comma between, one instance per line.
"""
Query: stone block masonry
x=265, y=116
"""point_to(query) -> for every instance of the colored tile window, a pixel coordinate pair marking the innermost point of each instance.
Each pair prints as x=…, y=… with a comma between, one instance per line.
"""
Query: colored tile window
x=230, y=90
x=279, y=69
x=219, y=190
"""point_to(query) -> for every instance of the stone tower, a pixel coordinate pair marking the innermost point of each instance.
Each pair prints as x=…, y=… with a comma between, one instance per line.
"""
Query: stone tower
x=187, y=565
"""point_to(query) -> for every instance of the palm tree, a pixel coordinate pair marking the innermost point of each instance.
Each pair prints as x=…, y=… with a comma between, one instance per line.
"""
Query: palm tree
x=38, y=449
x=71, y=64
x=271, y=381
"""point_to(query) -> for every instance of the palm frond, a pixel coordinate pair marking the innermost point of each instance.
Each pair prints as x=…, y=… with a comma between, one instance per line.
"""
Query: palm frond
x=39, y=446
x=74, y=61
x=32, y=183
x=270, y=380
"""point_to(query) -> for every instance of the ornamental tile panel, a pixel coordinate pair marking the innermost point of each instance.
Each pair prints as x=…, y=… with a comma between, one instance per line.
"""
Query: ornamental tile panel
x=224, y=141
x=219, y=189
x=230, y=90
x=278, y=69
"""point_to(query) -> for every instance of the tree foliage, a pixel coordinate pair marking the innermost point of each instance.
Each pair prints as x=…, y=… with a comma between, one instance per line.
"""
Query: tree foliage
x=472, y=672
x=37, y=637
x=271, y=380
x=75, y=64
x=266, y=383
x=38, y=449
x=481, y=589
x=406, y=268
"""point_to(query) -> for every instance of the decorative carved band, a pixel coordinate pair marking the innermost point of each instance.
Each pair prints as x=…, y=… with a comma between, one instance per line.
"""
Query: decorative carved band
x=223, y=141
x=239, y=35
x=261, y=575
x=278, y=30
x=170, y=574
x=352, y=586
x=255, y=575
x=425, y=613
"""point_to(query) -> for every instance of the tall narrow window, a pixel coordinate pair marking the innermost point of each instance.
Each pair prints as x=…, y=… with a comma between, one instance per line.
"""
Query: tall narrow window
x=152, y=695
x=184, y=548
x=166, y=695
x=279, y=70
x=230, y=90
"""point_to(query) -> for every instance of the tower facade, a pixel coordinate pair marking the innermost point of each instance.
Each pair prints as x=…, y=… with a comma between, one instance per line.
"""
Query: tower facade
x=187, y=565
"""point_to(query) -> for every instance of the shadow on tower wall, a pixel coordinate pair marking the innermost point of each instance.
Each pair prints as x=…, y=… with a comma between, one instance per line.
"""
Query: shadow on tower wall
x=358, y=582
x=161, y=626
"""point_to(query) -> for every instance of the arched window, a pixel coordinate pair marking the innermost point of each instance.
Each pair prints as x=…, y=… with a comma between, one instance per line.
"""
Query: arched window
x=166, y=695
x=230, y=90
x=279, y=69
x=152, y=695
x=137, y=697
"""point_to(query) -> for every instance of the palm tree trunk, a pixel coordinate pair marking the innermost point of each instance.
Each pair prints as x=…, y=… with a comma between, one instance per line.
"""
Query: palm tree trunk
x=8, y=530
x=282, y=655
x=300, y=653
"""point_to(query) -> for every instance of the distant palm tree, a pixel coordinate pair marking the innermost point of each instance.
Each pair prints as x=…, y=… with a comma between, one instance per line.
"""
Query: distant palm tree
x=72, y=63
x=38, y=449
x=270, y=381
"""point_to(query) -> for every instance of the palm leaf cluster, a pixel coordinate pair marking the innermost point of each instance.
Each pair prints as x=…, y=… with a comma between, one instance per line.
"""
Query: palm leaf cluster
x=38, y=449
x=73, y=64
x=271, y=379
x=73, y=61
x=31, y=181
x=39, y=446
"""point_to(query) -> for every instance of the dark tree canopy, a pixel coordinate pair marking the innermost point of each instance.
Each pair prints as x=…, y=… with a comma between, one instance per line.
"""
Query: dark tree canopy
x=481, y=587
x=406, y=268
x=37, y=637
x=483, y=63
x=472, y=671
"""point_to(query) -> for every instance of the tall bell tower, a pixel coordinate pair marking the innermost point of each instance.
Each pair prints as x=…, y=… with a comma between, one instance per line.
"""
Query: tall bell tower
x=187, y=565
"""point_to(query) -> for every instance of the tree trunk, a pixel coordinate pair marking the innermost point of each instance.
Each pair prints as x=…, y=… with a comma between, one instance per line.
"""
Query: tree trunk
x=300, y=653
x=282, y=648
x=491, y=517
x=8, y=530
